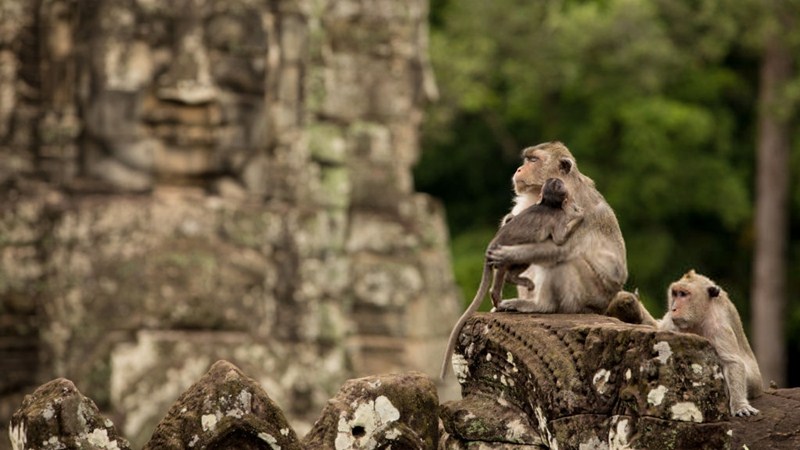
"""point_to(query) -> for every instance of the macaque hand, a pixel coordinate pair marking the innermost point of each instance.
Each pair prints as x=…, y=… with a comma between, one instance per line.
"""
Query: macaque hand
x=745, y=411
x=503, y=255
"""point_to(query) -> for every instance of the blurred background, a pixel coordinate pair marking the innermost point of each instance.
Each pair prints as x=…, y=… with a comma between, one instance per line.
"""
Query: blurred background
x=195, y=180
x=684, y=114
x=291, y=185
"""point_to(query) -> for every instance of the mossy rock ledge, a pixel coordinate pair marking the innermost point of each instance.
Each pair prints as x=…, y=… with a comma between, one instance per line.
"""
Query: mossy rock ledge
x=592, y=382
x=529, y=382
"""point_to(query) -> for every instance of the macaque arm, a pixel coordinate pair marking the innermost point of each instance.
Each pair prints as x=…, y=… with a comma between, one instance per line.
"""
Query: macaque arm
x=496, y=293
x=645, y=317
x=733, y=369
x=561, y=234
x=735, y=377
x=627, y=307
x=546, y=251
x=515, y=277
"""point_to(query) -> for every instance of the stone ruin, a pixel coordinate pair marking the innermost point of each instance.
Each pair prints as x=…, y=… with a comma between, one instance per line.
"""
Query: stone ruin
x=194, y=180
x=528, y=382
x=200, y=180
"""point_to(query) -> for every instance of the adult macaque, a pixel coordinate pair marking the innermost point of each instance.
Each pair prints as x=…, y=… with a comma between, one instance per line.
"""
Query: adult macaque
x=583, y=273
x=698, y=305
x=553, y=218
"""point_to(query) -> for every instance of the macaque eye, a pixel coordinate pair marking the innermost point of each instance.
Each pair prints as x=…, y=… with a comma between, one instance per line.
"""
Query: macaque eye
x=679, y=293
x=531, y=158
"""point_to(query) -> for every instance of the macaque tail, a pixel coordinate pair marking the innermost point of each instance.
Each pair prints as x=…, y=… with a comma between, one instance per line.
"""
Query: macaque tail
x=476, y=303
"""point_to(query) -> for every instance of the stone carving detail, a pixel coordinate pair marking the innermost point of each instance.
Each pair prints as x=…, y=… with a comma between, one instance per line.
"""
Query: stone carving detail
x=563, y=381
x=178, y=89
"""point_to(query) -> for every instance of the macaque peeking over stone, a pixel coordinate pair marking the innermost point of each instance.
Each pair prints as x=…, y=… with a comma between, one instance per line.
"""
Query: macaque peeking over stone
x=698, y=305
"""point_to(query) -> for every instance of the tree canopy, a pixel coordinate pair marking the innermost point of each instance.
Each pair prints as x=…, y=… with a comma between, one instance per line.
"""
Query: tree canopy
x=657, y=99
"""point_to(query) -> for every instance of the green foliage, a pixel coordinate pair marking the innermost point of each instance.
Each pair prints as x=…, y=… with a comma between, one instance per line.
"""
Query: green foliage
x=656, y=99
x=468, y=266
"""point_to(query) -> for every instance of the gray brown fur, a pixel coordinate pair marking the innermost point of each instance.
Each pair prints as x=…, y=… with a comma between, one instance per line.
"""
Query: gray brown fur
x=550, y=219
x=589, y=268
x=698, y=305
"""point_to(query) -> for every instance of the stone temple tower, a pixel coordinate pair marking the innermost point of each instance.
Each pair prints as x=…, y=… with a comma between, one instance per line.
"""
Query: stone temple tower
x=187, y=181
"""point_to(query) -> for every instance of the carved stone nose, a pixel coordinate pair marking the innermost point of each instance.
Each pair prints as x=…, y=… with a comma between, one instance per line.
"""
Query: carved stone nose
x=189, y=92
x=188, y=79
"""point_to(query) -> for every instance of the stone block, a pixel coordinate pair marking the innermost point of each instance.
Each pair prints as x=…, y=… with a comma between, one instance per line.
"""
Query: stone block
x=147, y=375
x=224, y=409
x=584, y=379
x=58, y=416
x=383, y=411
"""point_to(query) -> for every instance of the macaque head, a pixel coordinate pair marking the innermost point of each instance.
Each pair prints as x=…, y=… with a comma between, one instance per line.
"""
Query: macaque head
x=690, y=299
x=543, y=161
x=554, y=193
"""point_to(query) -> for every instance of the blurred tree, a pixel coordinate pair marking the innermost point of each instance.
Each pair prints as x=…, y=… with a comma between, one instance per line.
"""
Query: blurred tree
x=772, y=196
x=659, y=101
x=644, y=92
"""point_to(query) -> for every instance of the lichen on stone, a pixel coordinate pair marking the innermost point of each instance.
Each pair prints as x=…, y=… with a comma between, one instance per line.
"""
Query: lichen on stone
x=99, y=438
x=209, y=422
x=664, y=351
x=687, y=412
x=544, y=431
x=618, y=435
x=600, y=380
x=369, y=419
x=656, y=396
x=516, y=430
x=269, y=439
x=460, y=367
x=18, y=437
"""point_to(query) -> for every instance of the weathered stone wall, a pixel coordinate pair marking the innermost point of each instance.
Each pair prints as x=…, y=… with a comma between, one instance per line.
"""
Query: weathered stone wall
x=204, y=179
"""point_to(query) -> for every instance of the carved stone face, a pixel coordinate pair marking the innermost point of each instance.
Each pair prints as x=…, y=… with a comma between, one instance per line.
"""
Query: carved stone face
x=176, y=89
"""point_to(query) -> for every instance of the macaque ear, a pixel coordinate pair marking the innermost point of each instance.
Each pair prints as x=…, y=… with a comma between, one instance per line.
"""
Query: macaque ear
x=713, y=291
x=565, y=164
